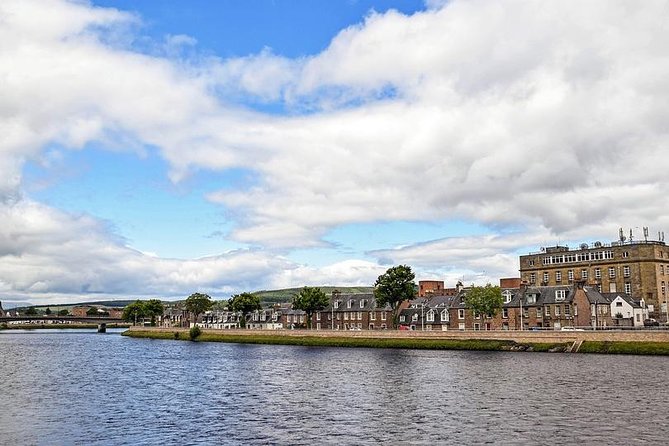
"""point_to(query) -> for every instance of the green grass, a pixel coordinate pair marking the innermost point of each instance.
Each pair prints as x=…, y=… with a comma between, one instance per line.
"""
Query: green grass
x=625, y=348
x=359, y=342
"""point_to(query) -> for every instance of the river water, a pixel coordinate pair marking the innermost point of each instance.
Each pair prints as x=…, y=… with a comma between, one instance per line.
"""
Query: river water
x=82, y=388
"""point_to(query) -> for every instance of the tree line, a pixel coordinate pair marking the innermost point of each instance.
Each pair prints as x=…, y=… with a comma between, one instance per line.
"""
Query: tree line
x=392, y=288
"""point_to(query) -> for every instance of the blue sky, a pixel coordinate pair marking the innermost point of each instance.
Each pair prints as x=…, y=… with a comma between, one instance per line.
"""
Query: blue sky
x=161, y=148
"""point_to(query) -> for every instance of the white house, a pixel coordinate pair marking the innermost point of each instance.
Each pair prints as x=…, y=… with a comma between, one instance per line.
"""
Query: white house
x=628, y=312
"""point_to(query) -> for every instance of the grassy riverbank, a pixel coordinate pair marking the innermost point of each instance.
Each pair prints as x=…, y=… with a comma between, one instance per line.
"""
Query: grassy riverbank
x=625, y=348
x=349, y=341
x=57, y=326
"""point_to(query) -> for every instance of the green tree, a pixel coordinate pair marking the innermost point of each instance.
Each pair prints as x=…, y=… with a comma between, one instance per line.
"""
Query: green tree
x=48, y=311
x=152, y=309
x=93, y=311
x=309, y=300
x=198, y=303
x=63, y=312
x=394, y=287
x=134, y=311
x=32, y=311
x=486, y=300
x=244, y=303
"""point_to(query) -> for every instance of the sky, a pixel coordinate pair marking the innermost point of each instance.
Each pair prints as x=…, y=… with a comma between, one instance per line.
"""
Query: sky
x=156, y=149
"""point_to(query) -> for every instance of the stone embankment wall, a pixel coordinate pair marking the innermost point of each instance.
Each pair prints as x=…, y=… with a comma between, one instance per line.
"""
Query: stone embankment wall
x=517, y=336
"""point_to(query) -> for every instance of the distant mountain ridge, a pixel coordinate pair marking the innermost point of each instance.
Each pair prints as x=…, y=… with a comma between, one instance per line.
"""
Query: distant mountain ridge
x=267, y=297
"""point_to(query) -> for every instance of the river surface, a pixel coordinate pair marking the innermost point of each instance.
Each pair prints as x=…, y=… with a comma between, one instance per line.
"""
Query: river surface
x=67, y=387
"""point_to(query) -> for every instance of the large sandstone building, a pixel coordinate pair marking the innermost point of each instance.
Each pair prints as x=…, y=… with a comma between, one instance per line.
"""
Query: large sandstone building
x=636, y=268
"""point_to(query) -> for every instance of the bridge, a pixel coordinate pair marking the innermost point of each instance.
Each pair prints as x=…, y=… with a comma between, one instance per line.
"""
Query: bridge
x=101, y=321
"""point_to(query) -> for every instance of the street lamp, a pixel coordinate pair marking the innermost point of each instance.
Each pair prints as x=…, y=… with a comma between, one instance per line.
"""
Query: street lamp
x=422, y=316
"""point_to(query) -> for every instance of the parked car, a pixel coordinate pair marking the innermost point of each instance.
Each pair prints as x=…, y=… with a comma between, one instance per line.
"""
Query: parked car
x=651, y=323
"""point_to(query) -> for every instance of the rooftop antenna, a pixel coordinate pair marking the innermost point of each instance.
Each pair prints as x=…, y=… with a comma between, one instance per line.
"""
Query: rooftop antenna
x=621, y=235
x=645, y=233
x=631, y=236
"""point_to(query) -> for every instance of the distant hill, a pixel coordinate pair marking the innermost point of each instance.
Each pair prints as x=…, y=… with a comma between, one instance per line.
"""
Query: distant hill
x=286, y=295
x=267, y=298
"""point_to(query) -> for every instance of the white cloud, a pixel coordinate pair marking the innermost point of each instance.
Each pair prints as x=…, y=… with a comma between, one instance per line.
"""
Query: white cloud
x=530, y=114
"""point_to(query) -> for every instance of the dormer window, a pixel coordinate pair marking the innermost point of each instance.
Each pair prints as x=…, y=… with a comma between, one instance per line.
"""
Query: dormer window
x=349, y=304
x=507, y=296
x=336, y=304
x=414, y=318
x=430, y=316
x=444, y=316
x=560, y=295
x=363, y=302
x=531, y=298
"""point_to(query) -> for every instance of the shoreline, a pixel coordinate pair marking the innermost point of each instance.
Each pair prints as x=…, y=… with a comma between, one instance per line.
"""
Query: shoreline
x=651, y=343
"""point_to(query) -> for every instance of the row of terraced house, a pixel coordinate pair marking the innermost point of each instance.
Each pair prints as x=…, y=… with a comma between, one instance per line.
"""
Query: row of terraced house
x=619, y=284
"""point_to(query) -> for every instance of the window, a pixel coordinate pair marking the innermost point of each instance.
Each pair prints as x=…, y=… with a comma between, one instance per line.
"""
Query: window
x=663, y=288
x=625, y=254
x=338, y=316
x=547, y=310
x=477, y=326
x=359, y=315
x=619, y=304
x=598, y=273
x=558, y=276
x=461, y=326
x=372, y=315
x=531, y=298
x=557, y=310
x=402, y=318
x=545, y=277
x=626, y=271
x=560, y=295
x=531, y=263
x=584, y=274
x=318, y=316
x=363, y=302
x=430, y=316
x=526, y=312
x=612, y=272
x=505, y=313
x=570, y=275
x=414, y=317
x=567, y=310
x=318, y=326
x=461, y=314
x=383, y=315
x=533, y=278
x=628, y=288
x=477, y=315
x=345, y=316
x=349, y=304
x=336, y=304
x=507, y=296
x=444, y=316
x=538, y=313
x=612, y=287
x=662, y=270
x=575, y=310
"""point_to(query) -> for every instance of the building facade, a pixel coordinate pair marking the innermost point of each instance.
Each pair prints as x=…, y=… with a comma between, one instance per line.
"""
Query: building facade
x=639, y=269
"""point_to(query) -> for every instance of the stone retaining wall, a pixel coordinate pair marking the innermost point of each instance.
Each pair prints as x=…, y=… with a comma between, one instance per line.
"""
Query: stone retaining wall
x=517, y=336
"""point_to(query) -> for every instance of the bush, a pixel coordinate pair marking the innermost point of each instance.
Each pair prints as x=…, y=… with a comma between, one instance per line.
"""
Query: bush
x=194, y=332
x=176, y=335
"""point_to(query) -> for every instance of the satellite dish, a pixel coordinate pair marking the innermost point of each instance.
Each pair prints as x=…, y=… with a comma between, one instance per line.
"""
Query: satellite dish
x=584, y=246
